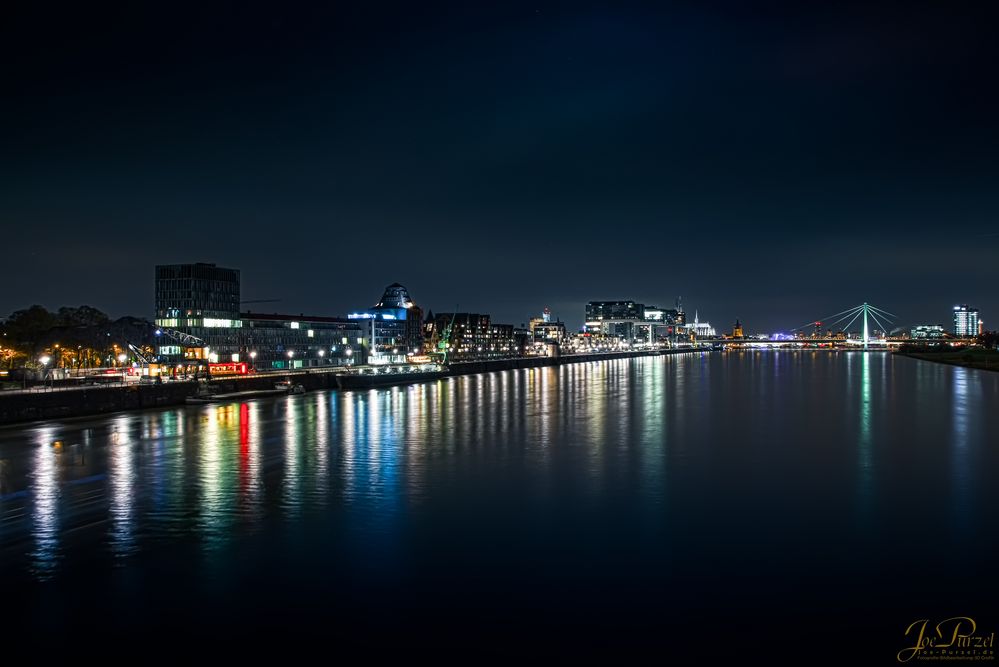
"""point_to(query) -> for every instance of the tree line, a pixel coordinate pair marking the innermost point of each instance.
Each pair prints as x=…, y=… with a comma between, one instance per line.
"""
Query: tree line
x=71, y=337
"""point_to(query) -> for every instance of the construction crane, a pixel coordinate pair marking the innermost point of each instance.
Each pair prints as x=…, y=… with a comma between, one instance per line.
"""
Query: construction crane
x=442, y=344
x=138, y=353
x=184, y=339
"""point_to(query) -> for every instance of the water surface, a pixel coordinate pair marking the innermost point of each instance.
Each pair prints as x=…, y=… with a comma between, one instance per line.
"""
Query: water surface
x=693, y=506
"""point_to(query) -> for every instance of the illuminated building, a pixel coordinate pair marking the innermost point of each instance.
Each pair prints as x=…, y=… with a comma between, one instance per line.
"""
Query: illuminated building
x=473, y=336
x=614, y=318
x=965, y=321
x=392, y=327
x=631, y=321
x=927, y=331
x=599, y=311
x=697, y=329
x=549, y=332
x=544, y=329
x=737, y=331
x=275, y=341
x=200, y=300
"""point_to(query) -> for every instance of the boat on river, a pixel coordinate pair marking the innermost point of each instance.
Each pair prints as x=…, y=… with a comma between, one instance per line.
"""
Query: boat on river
x=289, y=387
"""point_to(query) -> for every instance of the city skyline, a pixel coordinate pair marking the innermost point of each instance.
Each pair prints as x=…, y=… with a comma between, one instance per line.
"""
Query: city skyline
x=574, y=317
x=768, y=167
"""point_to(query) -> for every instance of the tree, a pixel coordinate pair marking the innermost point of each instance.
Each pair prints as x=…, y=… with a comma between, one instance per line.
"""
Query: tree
x=83, y=329
x=84, y=316
x=25, y=329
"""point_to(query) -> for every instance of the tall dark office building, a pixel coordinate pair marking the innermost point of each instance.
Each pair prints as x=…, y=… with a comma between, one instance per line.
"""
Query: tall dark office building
x=197, y=291
x=614, y=310
x=201, y=300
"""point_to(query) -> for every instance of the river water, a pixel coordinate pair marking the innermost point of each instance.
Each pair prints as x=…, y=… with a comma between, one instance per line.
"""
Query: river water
x=798, y=504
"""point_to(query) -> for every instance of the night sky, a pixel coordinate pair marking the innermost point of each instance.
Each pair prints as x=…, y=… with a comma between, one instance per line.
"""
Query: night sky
x=775, y=163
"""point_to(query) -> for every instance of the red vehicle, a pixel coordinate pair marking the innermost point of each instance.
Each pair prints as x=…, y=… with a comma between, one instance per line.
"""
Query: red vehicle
x=230, y=368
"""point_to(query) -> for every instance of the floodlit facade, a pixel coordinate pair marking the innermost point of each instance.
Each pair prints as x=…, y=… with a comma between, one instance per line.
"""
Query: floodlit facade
x=927, y=331
x=392, y=327
x=289, y=342
x=631, y=321
x=965, y=321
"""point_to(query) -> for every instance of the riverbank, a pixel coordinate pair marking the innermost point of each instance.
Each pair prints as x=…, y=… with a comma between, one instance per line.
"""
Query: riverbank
x=19, y=407
x=986, y=360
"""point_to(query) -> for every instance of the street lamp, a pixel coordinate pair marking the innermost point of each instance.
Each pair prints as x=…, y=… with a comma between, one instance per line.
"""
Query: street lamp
x=121, y=360
x=322, y=353
x=291, y=354
x=45, y=359
x=253, y=359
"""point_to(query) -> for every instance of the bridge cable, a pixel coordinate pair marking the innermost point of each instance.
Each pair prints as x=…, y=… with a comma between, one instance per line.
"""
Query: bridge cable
x=881, y=324
x=855, y=312
x=882, y=311
x=848, y=312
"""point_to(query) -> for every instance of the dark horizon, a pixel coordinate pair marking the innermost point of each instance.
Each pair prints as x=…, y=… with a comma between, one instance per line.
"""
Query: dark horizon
x=773, y=164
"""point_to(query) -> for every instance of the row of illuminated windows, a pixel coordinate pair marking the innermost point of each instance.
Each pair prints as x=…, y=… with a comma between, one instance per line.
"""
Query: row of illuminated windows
x=206, y=322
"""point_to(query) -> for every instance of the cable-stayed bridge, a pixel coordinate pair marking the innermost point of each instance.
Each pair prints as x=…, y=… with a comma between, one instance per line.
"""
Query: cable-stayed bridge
x=875, y=327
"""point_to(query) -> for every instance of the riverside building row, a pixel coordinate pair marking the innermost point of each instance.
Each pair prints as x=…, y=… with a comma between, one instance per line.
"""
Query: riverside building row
x=198, y=316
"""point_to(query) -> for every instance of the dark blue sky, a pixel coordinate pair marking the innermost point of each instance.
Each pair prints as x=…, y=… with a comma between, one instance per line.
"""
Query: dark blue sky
x=774, y=162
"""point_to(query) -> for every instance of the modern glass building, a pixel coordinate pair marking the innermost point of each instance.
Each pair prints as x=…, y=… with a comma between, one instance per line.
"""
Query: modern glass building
x=196, y=291
x=614, y=310
x=200, y=300
x=269, y=342
x=965, y=321
x=392, y=327
x=631, y=321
